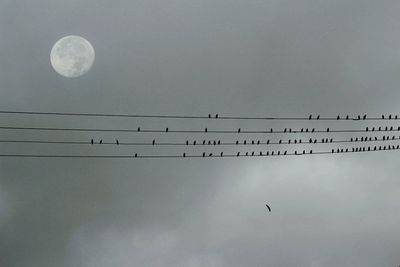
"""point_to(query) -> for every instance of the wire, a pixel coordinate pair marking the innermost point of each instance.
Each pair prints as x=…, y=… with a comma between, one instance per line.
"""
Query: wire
x=198, y=156
x=210, y=116
x=192, y=131
x=199, y=143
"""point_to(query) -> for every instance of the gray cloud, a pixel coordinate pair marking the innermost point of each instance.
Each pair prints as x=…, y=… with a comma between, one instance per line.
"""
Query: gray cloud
x=179, y=57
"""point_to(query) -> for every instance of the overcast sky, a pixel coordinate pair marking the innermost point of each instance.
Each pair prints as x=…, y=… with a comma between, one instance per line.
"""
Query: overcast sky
x=255, y=58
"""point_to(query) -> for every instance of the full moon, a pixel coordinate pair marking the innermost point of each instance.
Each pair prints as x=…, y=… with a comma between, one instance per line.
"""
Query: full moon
x=72, y=56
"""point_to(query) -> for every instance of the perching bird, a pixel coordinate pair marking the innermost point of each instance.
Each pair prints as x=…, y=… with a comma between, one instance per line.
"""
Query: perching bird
x=101, y=141
x=117, y=142
x=154, y=142
x=285, y=152
x=135, y=155
x=237, y=142
x=310, y=117
x=310, y=151
x=166, y=129
x=365, y=116
x=238, y=154
x=318, y=117
x=313, y=129
x=267, y=141
x=205, y=130
x=216, y=116
x=209, y=116
x=92, y=142
x=184, y=154
x=138, y=129
x=194, y=142
x=338, y=117
x=239, y=130
x=187, y=142
x=327, y=129
x=244, y=142
x=222, y=154
x=219, y=142
x=347, y=117
x=204, y=142
x=204, y=154
x=252, y=153
x=383, y=117
x=390, y=117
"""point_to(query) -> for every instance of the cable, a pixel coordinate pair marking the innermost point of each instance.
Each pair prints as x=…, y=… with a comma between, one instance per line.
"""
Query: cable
x=192, y=131
x=210, y=116
x=199, y=143
x=195, y=156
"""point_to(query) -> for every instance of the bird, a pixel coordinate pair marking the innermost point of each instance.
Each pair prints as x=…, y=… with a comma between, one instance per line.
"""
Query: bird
x=117, y=142
x=285, y=152
x=237, y=142
x=244, y=142
x=135, y=155
x=365, y=116
x=204, y=142
x=313, y=130
x=166, y=129
x=280, y=141
x=91, y=141
x=310, y=141
x=310, y=117
x=258, y=142
x=209, y=116
x=187, y=142
x=204, y=154
x=310, y=151
x=138, y=129
x=216, y=116
x=154, y=142
x=247, y=153
x=366, y=129
x=285, y=130
x=327, y=129
x=184, y=154
x=390, y=117
x=338, y=117
x=252, y=142
x=101, y=141
x=194, y=142
x=261, y=153
x=268, y=207
x=252, y=153
x=205, y=130
x=239, y=130
x=267, y=141
x=318, y=117
x=271, y=130
x=222, y=154
x=279, y=153
x=214, y=142
x=347, y=117
x=383, y=117
x=219, y=142
x=238, y=154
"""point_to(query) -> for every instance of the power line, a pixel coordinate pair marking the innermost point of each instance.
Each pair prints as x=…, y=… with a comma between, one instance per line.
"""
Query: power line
x=210, y=155
x=210, y=142
x=206, y=130
x=209, y=116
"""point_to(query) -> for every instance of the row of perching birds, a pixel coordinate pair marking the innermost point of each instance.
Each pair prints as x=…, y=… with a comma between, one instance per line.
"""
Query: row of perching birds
x=347, y=117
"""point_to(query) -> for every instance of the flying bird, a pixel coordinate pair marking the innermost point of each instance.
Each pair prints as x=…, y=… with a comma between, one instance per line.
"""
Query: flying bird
x=268, y=207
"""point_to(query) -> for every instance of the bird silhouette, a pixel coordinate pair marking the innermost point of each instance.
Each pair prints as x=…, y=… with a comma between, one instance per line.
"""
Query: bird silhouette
x=117, y=142
x=216, y=116
x=135, y=155
x=219, y=142
x=252, y=153
x=138, y=129
x=204, y=154
x=318, y=117
x=184, y=154
x=101, y=141
x=347, y=117
x=205, y=130
x=204, y=142
x=267, y=141
x=260, y=153
x=365, y=116
x=327, y=129
x=390, y=117
x=310, y=117
x=237, y=142
x=285, y=152
x=313, y=130
x=238, y=154
x=91, y=141
x=222, y=154
x=268, y=207
x=209, y=116
x=194, y=142
x=338, y=117
x=383, y=117
x=154, y=142
x=239, y=130
x=166, y=129
x=310, y=151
